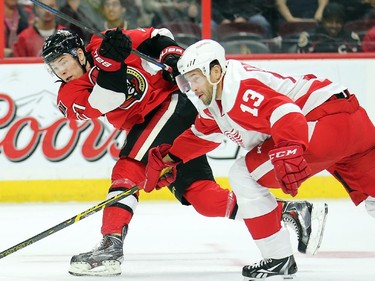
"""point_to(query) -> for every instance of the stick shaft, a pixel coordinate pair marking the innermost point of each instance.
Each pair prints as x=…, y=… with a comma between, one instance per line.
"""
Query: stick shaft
x=96, y=32
x=69, y=222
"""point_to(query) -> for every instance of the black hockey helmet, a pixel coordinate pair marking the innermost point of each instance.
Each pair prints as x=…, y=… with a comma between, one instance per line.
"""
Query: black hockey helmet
x=61, y=42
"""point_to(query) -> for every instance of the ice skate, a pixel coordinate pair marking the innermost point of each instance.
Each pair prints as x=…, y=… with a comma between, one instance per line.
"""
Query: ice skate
x=308, y=220
x=284, y=268
x=104, y=260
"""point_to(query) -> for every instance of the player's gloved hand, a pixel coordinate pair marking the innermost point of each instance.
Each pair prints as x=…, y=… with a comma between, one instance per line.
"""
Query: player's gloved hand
x=170, y=56
x=114, y=49
x=290, y=166
x=158, y=172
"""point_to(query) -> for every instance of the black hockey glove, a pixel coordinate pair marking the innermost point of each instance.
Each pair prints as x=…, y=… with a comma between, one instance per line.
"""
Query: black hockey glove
x=170, y=56
x=114, y=49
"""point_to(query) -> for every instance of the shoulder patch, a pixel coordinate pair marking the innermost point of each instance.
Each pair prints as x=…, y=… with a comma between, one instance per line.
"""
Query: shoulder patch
x=137, y=87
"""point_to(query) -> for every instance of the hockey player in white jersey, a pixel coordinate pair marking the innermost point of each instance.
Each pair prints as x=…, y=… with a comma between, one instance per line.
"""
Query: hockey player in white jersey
x=292, y=127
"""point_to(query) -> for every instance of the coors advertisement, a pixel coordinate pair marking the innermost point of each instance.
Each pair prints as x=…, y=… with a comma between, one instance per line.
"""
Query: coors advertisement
x=37, y=143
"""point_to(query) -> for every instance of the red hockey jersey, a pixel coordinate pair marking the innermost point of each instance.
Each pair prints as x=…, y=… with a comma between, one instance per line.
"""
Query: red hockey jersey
x=144, y=81
x=255, y=105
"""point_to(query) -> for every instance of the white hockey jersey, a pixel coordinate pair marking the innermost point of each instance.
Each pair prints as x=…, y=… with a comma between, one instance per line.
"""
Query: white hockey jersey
x=255, y=104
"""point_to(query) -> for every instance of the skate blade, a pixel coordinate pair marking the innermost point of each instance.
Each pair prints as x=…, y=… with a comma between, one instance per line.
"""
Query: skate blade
x=108, y=268
x=291, y=277
x=318, y=221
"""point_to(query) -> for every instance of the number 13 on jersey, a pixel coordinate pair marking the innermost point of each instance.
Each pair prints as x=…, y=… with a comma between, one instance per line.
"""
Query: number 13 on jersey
x=257, y=100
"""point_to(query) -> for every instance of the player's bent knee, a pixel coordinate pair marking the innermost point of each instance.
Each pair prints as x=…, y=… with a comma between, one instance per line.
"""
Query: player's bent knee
x=127, y=172
x=242, y=183
x=209, y=199
x=253, y=199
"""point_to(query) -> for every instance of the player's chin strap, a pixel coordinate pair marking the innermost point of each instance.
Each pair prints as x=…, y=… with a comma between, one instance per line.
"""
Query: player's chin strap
x=214, y=88
x=88, y=59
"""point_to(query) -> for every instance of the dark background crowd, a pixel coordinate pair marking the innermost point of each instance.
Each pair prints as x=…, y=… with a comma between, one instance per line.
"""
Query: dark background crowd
x=241, y=26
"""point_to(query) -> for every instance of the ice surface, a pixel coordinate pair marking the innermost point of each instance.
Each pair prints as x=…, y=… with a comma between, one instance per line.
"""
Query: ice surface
x=168, y=241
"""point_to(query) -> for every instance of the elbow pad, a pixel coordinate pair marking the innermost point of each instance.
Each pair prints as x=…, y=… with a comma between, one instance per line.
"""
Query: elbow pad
x=115, y=81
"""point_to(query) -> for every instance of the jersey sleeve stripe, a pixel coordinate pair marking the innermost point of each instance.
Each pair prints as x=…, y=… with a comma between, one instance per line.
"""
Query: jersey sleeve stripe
x=283, y=110
x=105, y=100
x=214, y=137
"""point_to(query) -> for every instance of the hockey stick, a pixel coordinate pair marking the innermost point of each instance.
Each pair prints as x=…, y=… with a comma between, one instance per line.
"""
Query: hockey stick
x=98, y=33
x=69, y=222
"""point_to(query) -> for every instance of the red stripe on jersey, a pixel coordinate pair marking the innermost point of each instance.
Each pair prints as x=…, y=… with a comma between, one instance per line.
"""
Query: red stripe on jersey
x=316, y=85
x=149, y=128
x=265, y=225
x=188, y=146
x=254, y=105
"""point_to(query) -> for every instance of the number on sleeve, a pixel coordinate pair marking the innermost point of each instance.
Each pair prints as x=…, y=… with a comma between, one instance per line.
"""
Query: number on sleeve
x=257, y=100
x=78, y=111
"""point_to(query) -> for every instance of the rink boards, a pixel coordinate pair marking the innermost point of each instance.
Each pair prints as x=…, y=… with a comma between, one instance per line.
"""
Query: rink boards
x=44, y=157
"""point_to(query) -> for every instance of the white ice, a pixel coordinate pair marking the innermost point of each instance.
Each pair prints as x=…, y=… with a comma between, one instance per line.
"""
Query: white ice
x=168, y=241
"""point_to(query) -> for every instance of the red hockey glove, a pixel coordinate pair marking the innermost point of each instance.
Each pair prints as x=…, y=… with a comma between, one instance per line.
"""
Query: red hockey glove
x=170, y=56
x=290, y=167
x=158, y=172
x=114, y=49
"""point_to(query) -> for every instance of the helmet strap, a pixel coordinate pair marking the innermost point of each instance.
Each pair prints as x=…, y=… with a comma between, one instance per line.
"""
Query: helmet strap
x=84, y=66
x=214, y=87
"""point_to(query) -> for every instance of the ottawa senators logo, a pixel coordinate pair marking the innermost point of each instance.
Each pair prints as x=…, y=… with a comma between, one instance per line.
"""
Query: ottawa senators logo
x=137, y=87
x=136, y=83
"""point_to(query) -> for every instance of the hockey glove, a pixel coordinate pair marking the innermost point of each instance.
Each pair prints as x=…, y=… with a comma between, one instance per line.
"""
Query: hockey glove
x=114, y=49
x=290, y=166
x=170, y=56
x=158, y=172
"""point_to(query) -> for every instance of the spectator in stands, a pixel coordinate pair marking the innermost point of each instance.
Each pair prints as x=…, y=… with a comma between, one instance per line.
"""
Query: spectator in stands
x=368, y=42
x=15, y=20
x=73, y=9
x=120, y=13
x=224, y=12
x=28, y=7
x=114, y=14
x=30, y=41
x=171, y=10
x=301, y=10
x=329, y=36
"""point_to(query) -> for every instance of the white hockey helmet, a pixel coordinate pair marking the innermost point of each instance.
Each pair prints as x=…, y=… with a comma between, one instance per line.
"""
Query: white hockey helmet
x=200, y=55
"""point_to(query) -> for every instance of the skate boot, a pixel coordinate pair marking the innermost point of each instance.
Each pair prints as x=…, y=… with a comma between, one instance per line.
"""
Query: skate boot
x=285, y=267
x=104, y=260
x=308, y=220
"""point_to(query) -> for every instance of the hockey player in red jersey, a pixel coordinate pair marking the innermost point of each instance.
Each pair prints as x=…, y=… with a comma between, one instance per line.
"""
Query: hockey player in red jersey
x=292, y=127
x=106, y=79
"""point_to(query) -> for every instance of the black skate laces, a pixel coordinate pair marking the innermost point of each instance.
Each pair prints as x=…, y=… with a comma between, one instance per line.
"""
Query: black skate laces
x=260, y=264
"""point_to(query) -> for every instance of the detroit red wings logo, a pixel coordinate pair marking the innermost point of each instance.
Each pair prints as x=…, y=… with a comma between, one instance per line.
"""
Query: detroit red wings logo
x=235, y=136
